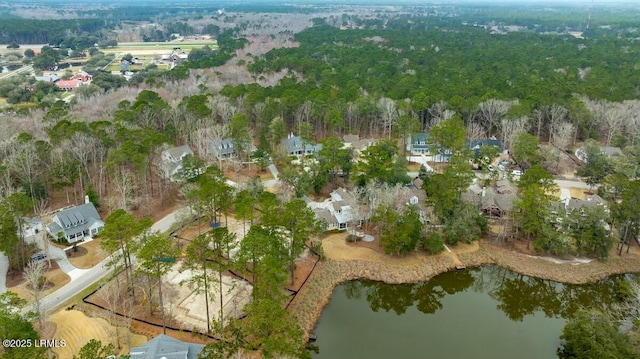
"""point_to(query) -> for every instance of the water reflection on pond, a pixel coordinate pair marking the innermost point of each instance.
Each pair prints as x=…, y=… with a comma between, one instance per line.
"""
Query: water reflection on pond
x=486, y=312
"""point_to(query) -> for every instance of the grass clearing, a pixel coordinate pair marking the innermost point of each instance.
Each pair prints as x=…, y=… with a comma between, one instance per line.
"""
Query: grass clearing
x=413, y=167
x=94, y=255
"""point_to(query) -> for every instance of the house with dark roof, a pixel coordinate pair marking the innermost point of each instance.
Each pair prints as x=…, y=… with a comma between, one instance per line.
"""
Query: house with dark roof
x=166, y=347
x=475, y=144
x=418, y=144
x=171, y=161
x=76, y=223
x=294, y=146
x=223, y=148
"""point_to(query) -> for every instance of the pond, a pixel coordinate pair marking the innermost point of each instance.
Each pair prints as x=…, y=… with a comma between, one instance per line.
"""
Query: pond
x=481, y=313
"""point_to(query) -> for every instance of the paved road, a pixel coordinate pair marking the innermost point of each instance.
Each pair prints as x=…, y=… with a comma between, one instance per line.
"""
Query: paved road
x=93, y=275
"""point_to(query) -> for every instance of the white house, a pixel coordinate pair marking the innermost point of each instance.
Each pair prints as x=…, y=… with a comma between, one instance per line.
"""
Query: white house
x=172, y=160
x=76, y=223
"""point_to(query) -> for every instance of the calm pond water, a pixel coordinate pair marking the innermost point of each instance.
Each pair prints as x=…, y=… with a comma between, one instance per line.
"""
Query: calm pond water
x=480, y=313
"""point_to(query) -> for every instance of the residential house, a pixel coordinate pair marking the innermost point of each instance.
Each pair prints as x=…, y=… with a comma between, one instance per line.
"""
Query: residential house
x=418, y=144
x=493, y=201
x=171, y=161
x=166, y=347
x=76, y=223
x=83, y=76
x=74, y=82
x=590, y=201
x=357, y=144
x=336, y=212
x=607, y=151
x=294, y=146
x=413, y=195
x=223, y=148
x=478, y=143
x=179, y=57
x=68, y=85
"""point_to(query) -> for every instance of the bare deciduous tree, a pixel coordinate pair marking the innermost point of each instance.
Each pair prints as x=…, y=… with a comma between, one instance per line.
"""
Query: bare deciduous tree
x=439, y=112
x=610, y=117
x=562, y=134
x=475, y=131
x=110, y=294
x=36, y=283
x=511, y=128
x=557, y=116
x=491, y=111
x=388, y=114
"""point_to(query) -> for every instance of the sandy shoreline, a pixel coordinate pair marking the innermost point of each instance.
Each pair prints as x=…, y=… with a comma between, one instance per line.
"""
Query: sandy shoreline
x=345, y=262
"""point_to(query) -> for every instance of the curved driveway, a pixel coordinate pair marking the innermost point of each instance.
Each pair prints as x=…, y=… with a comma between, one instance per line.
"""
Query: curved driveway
x=83, y=278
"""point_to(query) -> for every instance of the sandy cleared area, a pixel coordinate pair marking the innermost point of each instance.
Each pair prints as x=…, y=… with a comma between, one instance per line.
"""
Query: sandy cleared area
x=190, y=306
x=77, y=329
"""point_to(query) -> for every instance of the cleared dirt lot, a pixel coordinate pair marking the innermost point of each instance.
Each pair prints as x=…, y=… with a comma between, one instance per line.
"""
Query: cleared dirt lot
x=76, y=328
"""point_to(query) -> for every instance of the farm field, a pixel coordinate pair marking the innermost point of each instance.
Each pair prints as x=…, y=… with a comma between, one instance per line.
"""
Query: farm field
x=157, y=48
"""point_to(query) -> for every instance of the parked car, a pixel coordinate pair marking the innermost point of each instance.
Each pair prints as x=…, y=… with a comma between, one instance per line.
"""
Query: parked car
x=516, y=173
x=501, y=167
x=491, y=168
x=38, y=257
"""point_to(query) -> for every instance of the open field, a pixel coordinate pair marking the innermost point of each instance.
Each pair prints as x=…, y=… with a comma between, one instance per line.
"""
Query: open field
x=157, y=48
x=77, y=329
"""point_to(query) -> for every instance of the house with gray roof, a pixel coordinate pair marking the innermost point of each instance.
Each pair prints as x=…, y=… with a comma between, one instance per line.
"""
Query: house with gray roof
x=223, y=148
x=76, y=223
x=294, y=146
x=171, y=161
x=48, y=78
x=164, y=346
x=418, y=144
x=593, y=200
x=607, y=151
x=494, y=201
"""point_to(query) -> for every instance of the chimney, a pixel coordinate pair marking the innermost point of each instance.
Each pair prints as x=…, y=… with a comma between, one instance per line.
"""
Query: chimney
x=86, y=199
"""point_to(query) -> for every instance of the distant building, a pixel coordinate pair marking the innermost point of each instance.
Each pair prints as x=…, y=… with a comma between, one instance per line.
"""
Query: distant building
x=124, y=65
x=68, y=85
x=48, y=78
x=164, y=346
x=76, y=223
